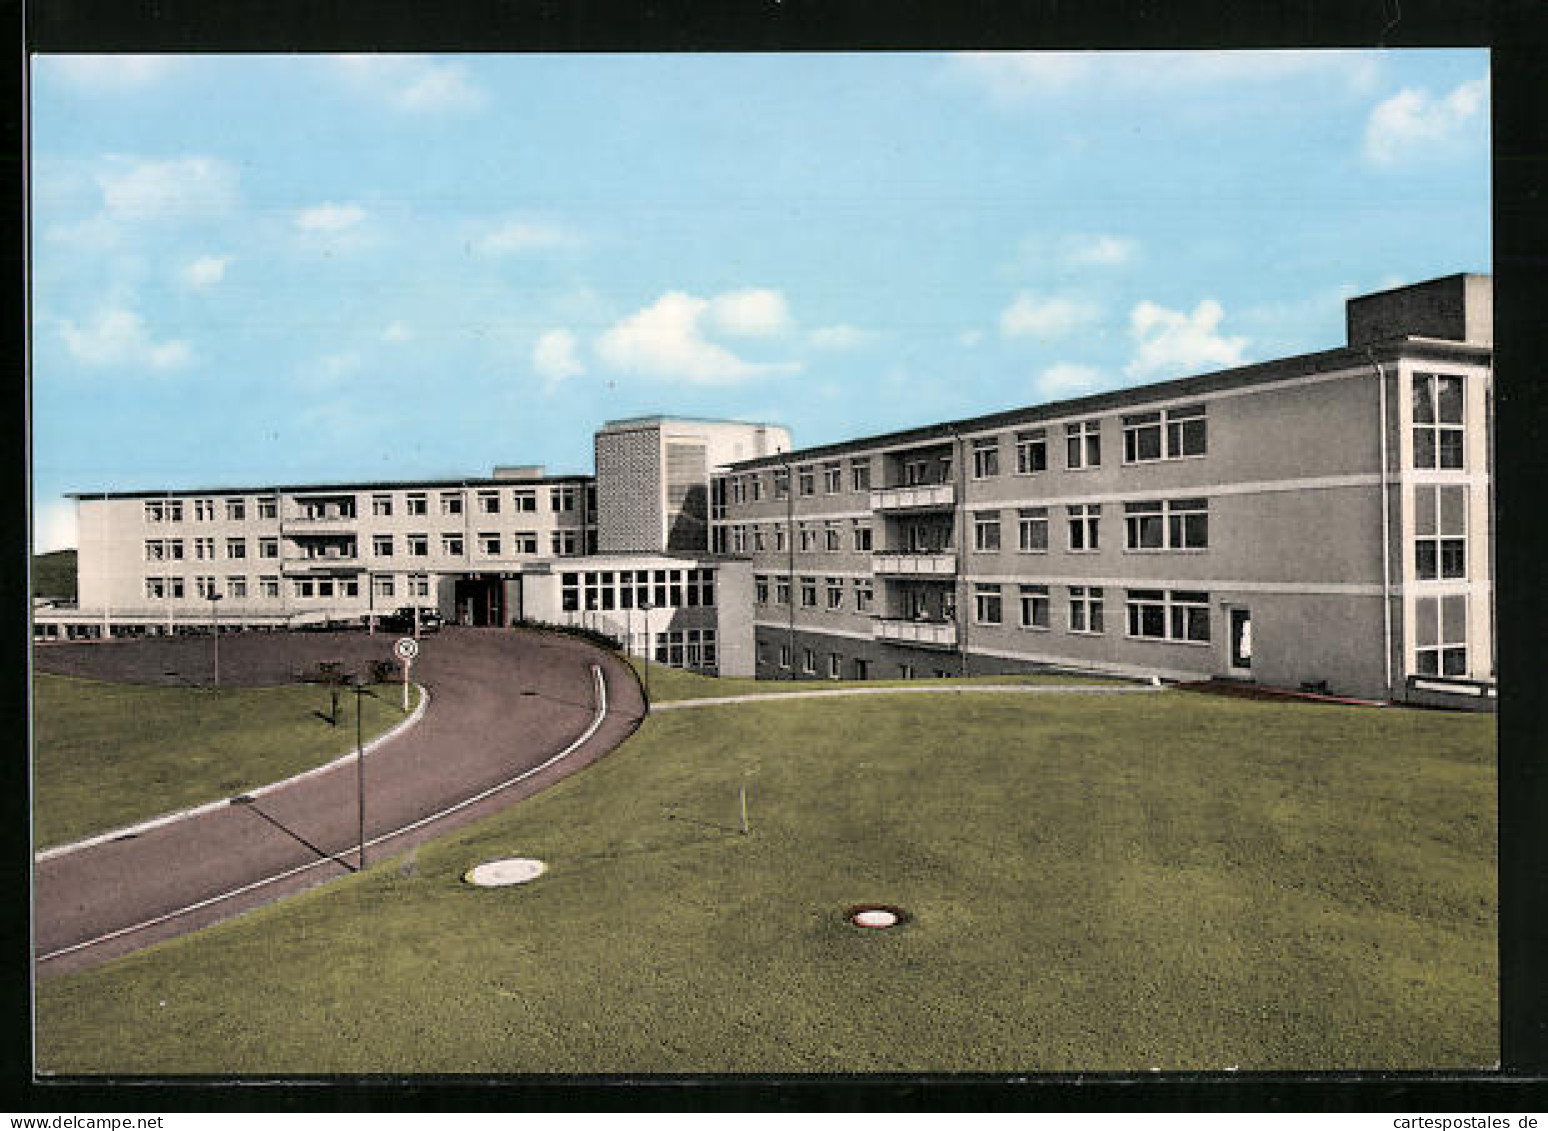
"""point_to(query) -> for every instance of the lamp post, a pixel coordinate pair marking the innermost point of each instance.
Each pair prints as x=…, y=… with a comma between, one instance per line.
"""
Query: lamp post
x=355, y=682
x=645, y=607
x=215, y=628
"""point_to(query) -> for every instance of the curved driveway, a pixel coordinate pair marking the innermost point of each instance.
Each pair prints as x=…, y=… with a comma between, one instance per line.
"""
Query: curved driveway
x=501, y=705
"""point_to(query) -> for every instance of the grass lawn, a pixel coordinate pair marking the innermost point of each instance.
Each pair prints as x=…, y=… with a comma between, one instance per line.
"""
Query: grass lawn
x=1174, y=881
x=670, y=684
x=107, y=755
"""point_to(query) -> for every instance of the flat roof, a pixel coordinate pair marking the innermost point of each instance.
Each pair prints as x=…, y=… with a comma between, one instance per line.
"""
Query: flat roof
x=323, y=488
x=1325, y=361
x=631, y=421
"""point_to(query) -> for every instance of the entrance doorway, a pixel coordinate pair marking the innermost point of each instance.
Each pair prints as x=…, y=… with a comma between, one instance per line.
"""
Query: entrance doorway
x=1240, y=662
x=480, y=601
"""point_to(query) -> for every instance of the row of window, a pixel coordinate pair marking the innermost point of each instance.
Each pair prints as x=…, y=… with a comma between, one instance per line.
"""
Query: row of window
x=604, y=590
x=562, y=543
x=776, y=591
x=562, y=498
x=204, y=510
x=1171, y=524
x=268, y=587
x=686, y=648
x=1180, y=616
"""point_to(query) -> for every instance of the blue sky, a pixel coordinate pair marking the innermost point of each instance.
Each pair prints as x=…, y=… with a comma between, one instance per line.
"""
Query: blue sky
x=257, y=269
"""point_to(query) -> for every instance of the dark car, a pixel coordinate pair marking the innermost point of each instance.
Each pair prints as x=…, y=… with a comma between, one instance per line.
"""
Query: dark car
x=403, y=621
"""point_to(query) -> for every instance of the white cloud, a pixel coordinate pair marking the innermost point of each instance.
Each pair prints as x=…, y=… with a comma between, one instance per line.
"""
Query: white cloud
x=1173, y=340
x=181, y=188
x=838, y=337
x=397, y=332
x=1066, y=377
x=329, y=217
x=666, y=339
x=410, y=83
x=53, y=527
x=1413, y=122
x=755, y=312
x=95, y=233
x=1045, y=317
x=1098, y=251
x=517, y=236
x=118, y=337
x=553, y=356
x=205, y=271
x=110, y=72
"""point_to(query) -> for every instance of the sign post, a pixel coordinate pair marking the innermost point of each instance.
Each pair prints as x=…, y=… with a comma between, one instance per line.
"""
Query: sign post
x=406, y=649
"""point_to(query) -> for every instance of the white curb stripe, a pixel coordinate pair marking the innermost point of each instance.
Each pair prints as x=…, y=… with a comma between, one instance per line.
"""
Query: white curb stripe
x=210, y=807
x=596, y=723
x=1019, y=689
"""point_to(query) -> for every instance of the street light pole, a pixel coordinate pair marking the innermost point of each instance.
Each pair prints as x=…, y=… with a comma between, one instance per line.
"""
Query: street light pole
x=215, y=627
x=645, y=607
x=359, y=773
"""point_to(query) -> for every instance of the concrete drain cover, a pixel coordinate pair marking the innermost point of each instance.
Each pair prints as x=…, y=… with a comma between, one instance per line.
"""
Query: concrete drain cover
x=875, y=916
x=504, y=873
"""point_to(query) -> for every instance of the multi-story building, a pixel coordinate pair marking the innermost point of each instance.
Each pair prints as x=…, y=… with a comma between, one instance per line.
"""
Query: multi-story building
x=1321, y=521
x=517, y=546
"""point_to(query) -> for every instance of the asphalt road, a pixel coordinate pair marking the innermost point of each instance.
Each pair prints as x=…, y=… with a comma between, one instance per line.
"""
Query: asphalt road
x=501, y=704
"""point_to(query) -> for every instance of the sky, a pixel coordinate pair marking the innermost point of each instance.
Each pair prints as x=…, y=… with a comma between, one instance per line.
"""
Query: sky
x=308, y=268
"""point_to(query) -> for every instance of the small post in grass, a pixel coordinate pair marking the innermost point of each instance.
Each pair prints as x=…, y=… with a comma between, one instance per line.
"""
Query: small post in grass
x=744, y=808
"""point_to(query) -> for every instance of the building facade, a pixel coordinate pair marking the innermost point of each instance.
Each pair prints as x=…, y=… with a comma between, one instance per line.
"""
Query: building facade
x=1319, y=522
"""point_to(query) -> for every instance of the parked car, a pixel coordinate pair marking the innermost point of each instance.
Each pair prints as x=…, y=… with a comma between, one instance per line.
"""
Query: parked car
x=402, y=620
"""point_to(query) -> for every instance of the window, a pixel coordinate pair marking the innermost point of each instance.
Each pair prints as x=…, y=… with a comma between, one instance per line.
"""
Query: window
x=986, y=531
x=381, y=506
x=784, y=655
x=832, y=478
x=1177, y=616
x=759, y=544
x=175, y=511
x=1440, y=533
x=755, y=484
x=782, y=490
x=760, y=589
x=1034, y=606
x=1144, y=526
x=905, y=671
x=204, y=549
x=236, y=588
x=1438, y=422
x=1172, y=434
x=175, y=588
x=204, y=587
x=382, y=587
x=155, y=550
x=1032, y=530
x=1176, y=524
x=782, y=591
x=1084, y=519
x=1185, y=432
x=1083, y=445
x=835, y=588
x=835, y=665
x=779, y=538
x=865, y=594
x=1440, y=635
x=738, y=539
x=986, y=458
x=489, y=502
x=524, y=500
x=1142, y=437
x=862, y=668
x=1085, y=609
x=451, y=502
x=524, y=542
x=860, y=474
x=808, y=538
x=418, y=545
x=562, y=543
x=155, y=588
x=489, y=544
x=236, y=510
x=236, y=548
x=418, y=504
x=569, y=592
x=808, y=662
x=862, y=535
x=269, y=586
x=268, y=508
x=808, y=592
x=1031, y=451
x=830, y=537
x=268, y=547
x=451, y=545
x=987, y=604
x=204, y=510
x=419, y=585
x=738, y=490
x=381, y=545
x=561, y=499
x=808, y=480
x=155, y=511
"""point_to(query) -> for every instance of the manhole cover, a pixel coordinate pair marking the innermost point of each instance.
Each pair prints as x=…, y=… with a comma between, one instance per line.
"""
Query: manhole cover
x=504, y=873
x=876, y=916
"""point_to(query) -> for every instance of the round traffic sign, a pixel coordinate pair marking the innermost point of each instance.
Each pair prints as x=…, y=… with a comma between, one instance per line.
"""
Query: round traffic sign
x=406, y=648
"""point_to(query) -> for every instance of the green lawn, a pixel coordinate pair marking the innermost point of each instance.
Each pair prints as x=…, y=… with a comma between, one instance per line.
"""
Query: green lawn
x=671, y=684
x=1172, y=881
x=107, y=755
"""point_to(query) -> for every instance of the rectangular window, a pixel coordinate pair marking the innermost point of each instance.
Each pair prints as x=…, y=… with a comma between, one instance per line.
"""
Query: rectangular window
x=175, y=511
x=1083, y=445
x=738, y=490
x=155, y=588
x=1440, y=635
x=905, y=671
x=268, y=508
x=808, y=538
x=835, y=665
x=1440, y=533
x=784, y=656
x=1031, y=451
x=451, y=545
x=755, y=484
x=302, y=587
x=268, y=547
x=419, y=584
x=808, y=592
x=381, y=545
x=835, y=588
x=236, y=548
x=1034, y=606
x=782, y=591
x=865, y=594
x=832, y=478
x=808, y=662
x=204, y=549
x=1085, y=609
x=987, y=604
x=1142, y=434
x=569, y=592
x=1187, y=524
x=1178, y=616
x=759, y=543
x=204, y=587
x=451, y=502
x=524, y=542
x=524, y=500
x=175, y=588
x=1144, y=526
x=1439, y=427
x=269, y=587
x=862, y=535
x=155, y=511
x=830, y=537
x=738, y=539
x=782, y=490
x=418, y=545
x=155, y=550
x=860, y=474
x=236, y=588
x=489, y=502
x=562, y=543
x=862, y=668
x=760, y=589
x=808, y=480
x=1185, y=432
x=382, y=587
x=986, y=531
x=489, y=544
x=204, y=510
x=381, y=506
x=986, y=458
x=779, y=538
x=1032, y=530
x=418, y=504
x=1084, y=524
x=236, y=510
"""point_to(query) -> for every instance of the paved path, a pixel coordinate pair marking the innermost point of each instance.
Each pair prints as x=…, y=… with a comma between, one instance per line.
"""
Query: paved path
x=502, y=706
x=928, y=689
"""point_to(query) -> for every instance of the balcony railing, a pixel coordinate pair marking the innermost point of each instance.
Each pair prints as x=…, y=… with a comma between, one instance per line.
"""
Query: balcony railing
x=932, y=634
x=322, y=524
x=889, y=563
x=927, y=496
x=321, y=564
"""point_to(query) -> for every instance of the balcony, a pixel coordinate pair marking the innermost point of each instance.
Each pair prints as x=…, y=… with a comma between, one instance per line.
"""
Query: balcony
x=301, y=526
x=893, y=563
x=322, y=564
x=924, y=497
x=928, y=634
